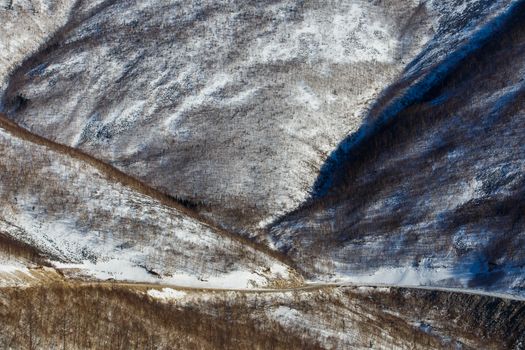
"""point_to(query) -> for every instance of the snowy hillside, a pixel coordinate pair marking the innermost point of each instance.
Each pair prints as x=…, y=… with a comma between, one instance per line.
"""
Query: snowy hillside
x=279, y=174
x=83, y=218
x=237, y=103
x=433, y=194
x=26, y=26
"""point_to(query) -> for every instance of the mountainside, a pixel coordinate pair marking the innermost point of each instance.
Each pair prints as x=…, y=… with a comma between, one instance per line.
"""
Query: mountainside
x=281, y=174
x=321, y=319
x=86, y=216
x=433, y=193
x=237, y=103
x=26, y=26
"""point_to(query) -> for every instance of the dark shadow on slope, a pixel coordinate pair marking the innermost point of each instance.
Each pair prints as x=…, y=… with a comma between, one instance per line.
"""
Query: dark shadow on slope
x=402, y=191
x=402, y=95
x=13, y=248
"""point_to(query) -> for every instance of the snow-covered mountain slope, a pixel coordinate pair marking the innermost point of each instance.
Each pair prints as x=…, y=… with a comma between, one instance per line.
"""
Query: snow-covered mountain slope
x=235, y=106
x=26, y=26
x=232, y=105
x=461, y=28
x=433, y=194
x=83, y=217
x=335, y=152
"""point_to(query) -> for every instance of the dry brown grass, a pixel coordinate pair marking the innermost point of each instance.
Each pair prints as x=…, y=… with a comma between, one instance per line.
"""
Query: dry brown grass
x=65, y=316
x=13, y=248
x=69, y=315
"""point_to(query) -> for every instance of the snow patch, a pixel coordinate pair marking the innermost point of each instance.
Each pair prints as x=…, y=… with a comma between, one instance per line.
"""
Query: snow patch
x=125, y=270
x=353, y=36
x=166, y=294
x=307, y=97
x=14, y=274
x=401, y=276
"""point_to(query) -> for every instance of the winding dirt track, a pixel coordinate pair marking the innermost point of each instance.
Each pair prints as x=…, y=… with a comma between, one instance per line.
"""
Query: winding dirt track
x=305, y=287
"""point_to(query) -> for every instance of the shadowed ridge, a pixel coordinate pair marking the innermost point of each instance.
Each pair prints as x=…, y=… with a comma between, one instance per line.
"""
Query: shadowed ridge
x=439, y=187
x=403, y=94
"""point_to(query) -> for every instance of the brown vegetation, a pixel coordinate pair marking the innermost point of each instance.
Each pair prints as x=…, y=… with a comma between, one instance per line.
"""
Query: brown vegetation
x=67, y=317
x=104, y=316
x=13, y=248
x=479, y=322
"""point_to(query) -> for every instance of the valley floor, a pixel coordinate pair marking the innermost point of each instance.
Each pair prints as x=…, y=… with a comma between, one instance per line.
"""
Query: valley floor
x=45, y=309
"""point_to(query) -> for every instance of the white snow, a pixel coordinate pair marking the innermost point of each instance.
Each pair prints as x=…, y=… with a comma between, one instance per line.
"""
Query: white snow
x=350, y=34
x=12, y=268
x=25, y=26
x=118, y=269
x=401, y=276
x=166, y=294
x=14, y=274
x=468, y=191
x=106, y=230
x=203, y=96
x=471, y=240
x=304, y=322
x=306, y=96
x=286, y=315
x=280, y=270
x=124, y=270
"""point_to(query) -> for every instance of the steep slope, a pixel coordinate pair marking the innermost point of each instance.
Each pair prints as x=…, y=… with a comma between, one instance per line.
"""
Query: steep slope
x=462, y=27
x=434, y=192
x=230, y=105
x=89, y=218
x=26, y=26
x=140, y=134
